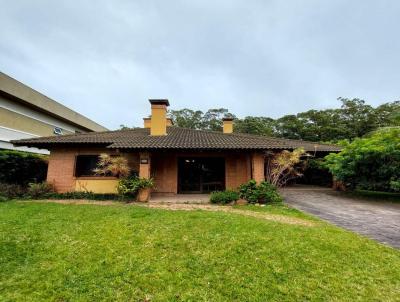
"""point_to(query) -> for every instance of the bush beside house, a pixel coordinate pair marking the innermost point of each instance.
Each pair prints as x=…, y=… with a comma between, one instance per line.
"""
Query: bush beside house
x=224, y=197
x=17, y=170
x=369, y=163
x=263, y=192
x=251, y=192
x=21, y=168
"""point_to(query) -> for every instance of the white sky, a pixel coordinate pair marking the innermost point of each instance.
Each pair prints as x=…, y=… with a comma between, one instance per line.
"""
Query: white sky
x=105, y=59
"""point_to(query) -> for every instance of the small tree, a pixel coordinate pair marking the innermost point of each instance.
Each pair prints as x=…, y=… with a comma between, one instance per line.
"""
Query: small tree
x=284, y=166
x=112, y=165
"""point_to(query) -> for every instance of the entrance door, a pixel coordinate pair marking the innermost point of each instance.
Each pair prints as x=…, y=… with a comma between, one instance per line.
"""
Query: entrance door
x=201, y=175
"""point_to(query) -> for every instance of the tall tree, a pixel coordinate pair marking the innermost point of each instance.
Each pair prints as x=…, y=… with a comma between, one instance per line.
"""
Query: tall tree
x=212, y=119
x=358, y=117
x=187, y=118
x=255, y=125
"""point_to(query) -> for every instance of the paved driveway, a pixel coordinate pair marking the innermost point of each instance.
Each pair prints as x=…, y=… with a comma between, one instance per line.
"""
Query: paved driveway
x=379, y=220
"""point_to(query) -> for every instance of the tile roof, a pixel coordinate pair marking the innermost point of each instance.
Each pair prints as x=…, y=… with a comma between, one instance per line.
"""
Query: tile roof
x=176, y=138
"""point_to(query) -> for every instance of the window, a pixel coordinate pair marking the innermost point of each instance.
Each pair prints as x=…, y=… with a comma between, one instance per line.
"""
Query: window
x=85, y=164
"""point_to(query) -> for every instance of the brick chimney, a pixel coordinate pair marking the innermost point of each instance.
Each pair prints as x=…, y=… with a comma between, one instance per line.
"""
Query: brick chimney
x=158, y=122
x=227, y=124
x=146, y=122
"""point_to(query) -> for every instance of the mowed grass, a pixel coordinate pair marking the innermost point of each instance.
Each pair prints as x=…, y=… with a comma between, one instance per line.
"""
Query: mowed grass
x=61, y=252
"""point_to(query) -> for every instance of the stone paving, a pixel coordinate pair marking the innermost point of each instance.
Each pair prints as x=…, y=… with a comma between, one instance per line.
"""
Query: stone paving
x=379, y=220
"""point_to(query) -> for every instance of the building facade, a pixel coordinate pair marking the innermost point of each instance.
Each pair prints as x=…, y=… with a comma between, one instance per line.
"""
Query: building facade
x=179, y=160
x=26, y=113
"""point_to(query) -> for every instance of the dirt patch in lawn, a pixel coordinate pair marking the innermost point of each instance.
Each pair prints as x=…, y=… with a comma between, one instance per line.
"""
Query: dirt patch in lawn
x=189, y=207
x=229, y=209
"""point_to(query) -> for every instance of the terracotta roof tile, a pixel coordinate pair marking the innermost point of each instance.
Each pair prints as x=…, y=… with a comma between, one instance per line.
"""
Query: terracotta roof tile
x=176, y=138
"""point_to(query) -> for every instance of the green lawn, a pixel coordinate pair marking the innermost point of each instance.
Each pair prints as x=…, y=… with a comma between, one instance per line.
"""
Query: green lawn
x=131, y=253
x=372, y=195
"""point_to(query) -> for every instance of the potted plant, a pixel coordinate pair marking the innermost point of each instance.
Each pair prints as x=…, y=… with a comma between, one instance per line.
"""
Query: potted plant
x=144, y=186
x=135, y=187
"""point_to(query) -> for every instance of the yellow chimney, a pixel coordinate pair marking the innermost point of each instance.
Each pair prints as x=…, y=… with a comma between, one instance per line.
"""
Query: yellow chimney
x=158, y=124
x=146, y=122
x=227, y=124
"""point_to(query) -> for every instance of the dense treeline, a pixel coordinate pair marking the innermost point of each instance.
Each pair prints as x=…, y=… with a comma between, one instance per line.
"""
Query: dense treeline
x=353, y=119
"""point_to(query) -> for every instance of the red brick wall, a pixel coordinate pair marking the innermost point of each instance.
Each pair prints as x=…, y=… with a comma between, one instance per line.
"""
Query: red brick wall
x=164, y=167
x=237, y=170
x=60, y=171
x=258, y=166
x=61, y=166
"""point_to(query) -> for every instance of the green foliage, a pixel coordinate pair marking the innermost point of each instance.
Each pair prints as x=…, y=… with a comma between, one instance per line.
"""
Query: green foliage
x=224, y=197
x=369, y=163
x=187, y=118
x=130, y=186
x=210, y=120
x=46, y=191
x=395, y=185
x=81, y=195
x=21, y=168
x=259, y=193
x=373, y=195
x=248, y=191
x=11, y=191
x=353, y=119
x=255, y=125
x=39, y=190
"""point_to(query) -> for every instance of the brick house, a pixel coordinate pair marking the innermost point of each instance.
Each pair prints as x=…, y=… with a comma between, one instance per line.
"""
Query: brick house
x=180, y=160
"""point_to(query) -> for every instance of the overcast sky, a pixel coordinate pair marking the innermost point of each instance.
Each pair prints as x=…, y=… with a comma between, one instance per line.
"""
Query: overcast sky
x=105, y=59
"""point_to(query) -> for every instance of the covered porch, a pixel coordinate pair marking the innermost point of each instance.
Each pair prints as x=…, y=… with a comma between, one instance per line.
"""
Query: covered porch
x=202, y=172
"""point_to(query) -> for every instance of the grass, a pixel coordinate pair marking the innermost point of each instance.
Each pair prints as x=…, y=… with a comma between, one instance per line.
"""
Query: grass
x=372, y=195
x=56, y=252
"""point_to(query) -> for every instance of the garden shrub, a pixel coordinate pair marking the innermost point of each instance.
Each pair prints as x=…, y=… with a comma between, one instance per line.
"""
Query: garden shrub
x=39, y=190
x=259, y=193
x=224, y=197
x=248, y=191
x=130, y=186
x=11, y=191
x=369, y=163
x=17, y=167
x=268, y=193
x=82, y=195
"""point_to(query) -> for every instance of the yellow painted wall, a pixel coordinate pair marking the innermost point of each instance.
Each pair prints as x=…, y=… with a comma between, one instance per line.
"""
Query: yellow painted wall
x=96, y=185
x=38, y=100
x=158, y=120
x=21, y=122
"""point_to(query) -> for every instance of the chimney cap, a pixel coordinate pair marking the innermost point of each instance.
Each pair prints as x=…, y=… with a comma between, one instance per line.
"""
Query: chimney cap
x=159, y=102
x=227, y=118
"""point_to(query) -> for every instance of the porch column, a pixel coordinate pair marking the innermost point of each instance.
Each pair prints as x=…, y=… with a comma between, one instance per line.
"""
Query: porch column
x=144, y=165
x=144, y=172
x=257, y=167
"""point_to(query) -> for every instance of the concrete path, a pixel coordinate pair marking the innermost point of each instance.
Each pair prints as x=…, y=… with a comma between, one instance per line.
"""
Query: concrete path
x=379, y=220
